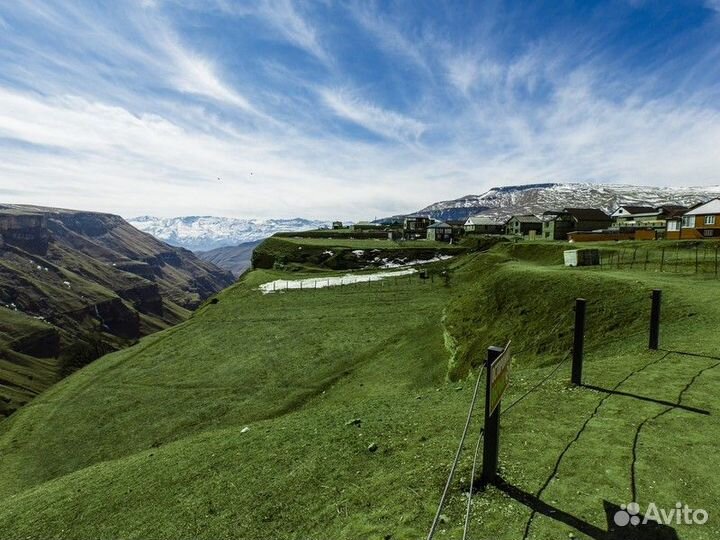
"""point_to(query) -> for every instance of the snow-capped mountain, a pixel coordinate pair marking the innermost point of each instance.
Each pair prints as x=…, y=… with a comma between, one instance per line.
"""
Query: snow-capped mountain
x=203, y=233
x=537, y=198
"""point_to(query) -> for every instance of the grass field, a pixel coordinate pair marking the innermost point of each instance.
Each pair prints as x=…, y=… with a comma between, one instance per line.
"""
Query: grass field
x=150, y=442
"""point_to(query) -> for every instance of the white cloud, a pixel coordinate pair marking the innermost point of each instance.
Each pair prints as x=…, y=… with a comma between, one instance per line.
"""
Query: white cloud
x=95, y=125
x=91, y=155
x=388, y=36
x=194, y=74
x=283, y=16
x=381, y=121
x=465, y=71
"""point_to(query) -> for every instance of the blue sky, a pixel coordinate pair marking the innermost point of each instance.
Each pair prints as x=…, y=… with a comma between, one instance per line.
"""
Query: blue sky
x=348, y=109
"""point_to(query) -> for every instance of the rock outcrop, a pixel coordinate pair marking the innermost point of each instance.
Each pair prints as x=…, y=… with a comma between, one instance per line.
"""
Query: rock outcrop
x=75, y=285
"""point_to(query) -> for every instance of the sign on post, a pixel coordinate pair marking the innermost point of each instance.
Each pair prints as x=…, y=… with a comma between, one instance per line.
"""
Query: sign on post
x=499, y=378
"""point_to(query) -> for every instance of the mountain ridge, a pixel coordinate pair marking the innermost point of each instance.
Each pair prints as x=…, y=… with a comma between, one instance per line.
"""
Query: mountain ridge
x=75, y=285
x=505, y=201
x=206, y=233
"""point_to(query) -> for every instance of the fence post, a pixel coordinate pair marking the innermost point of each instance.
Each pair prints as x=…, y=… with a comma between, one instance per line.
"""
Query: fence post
x=716, y=260
x=662, y=259
x=491, y=444
x=655, y=319
x=578, y=341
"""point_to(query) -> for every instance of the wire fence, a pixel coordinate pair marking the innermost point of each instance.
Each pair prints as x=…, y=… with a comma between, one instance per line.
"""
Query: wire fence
x=679, y=257
x=348, y=283
x=514, y=406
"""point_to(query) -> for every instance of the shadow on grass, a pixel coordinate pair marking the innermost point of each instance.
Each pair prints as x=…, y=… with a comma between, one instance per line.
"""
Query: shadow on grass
x=644, y=531
x=696, y=355
x=662, y=402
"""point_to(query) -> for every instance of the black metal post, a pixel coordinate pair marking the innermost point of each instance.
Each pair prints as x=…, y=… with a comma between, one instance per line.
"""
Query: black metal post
x=491, y=443
x=655, y=319
x=578, y=342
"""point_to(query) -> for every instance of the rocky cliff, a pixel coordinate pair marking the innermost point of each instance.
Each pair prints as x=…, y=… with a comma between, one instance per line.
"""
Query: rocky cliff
x=75, y=285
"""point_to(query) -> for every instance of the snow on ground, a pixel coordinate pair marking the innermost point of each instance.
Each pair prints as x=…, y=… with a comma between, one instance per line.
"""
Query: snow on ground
x=319, y=283
x=403, y=263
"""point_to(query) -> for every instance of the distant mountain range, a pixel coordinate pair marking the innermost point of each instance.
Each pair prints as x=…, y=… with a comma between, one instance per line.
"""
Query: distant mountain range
x=75, y=285
x=537, y=198
x=235, y=259
x=205, y=233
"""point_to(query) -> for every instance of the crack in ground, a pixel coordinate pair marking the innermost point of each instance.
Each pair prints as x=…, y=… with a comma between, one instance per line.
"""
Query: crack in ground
x=633, y=465
x=577, y=436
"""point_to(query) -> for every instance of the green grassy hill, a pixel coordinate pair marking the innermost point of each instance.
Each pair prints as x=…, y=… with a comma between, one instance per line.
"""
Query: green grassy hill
x=301, y=253
x=75, y=285
x=151, y=442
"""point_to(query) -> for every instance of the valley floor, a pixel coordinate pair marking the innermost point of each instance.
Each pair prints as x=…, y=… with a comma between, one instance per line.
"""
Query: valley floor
x=150, y=442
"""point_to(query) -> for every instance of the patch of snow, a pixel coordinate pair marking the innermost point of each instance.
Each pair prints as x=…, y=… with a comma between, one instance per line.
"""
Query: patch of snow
x=400, y=263
x=335, y=281
x=358, y=252
x=203, y=233
x=328, y=252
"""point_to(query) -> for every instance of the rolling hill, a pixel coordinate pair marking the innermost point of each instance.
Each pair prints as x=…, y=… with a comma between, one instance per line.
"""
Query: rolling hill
x=76, y=285
x=335, y=412
x=235, y=259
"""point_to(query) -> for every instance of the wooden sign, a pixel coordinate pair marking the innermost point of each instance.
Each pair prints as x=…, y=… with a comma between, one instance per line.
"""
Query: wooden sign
x=499, y=378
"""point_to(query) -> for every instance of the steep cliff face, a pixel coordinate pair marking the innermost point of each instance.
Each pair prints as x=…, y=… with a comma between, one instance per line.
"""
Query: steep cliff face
x=75, y=285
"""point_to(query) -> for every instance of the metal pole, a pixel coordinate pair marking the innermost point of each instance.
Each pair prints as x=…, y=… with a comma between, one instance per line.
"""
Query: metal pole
x=491, y=443
x=655, y=319
x=578, y=341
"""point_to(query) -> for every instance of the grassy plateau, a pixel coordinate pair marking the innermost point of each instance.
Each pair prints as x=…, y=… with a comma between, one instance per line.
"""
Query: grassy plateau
x=336, y=412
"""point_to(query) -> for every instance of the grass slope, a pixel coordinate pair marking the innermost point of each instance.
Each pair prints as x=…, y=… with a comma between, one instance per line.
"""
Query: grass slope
x=149, y=442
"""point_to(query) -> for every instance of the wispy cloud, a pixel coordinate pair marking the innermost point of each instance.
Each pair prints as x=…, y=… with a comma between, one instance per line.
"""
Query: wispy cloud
x=388, y=35
x=194, y=74
x=342, y=110
x=466, y=70
x=384, y=122
x=285, y=18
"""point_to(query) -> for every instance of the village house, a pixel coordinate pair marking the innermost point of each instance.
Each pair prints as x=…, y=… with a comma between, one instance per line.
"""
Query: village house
x=364, y=226
x=416, y=227
x=633, y=216
x=556, y=225
x=484, y=225
x=440, y=232
x=458, y=227
x=526, y=225
x=701, y=221
x=672, y=216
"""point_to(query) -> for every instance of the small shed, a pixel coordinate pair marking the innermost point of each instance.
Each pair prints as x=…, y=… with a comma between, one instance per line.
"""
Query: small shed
x=440, y=232
x=582, y=257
